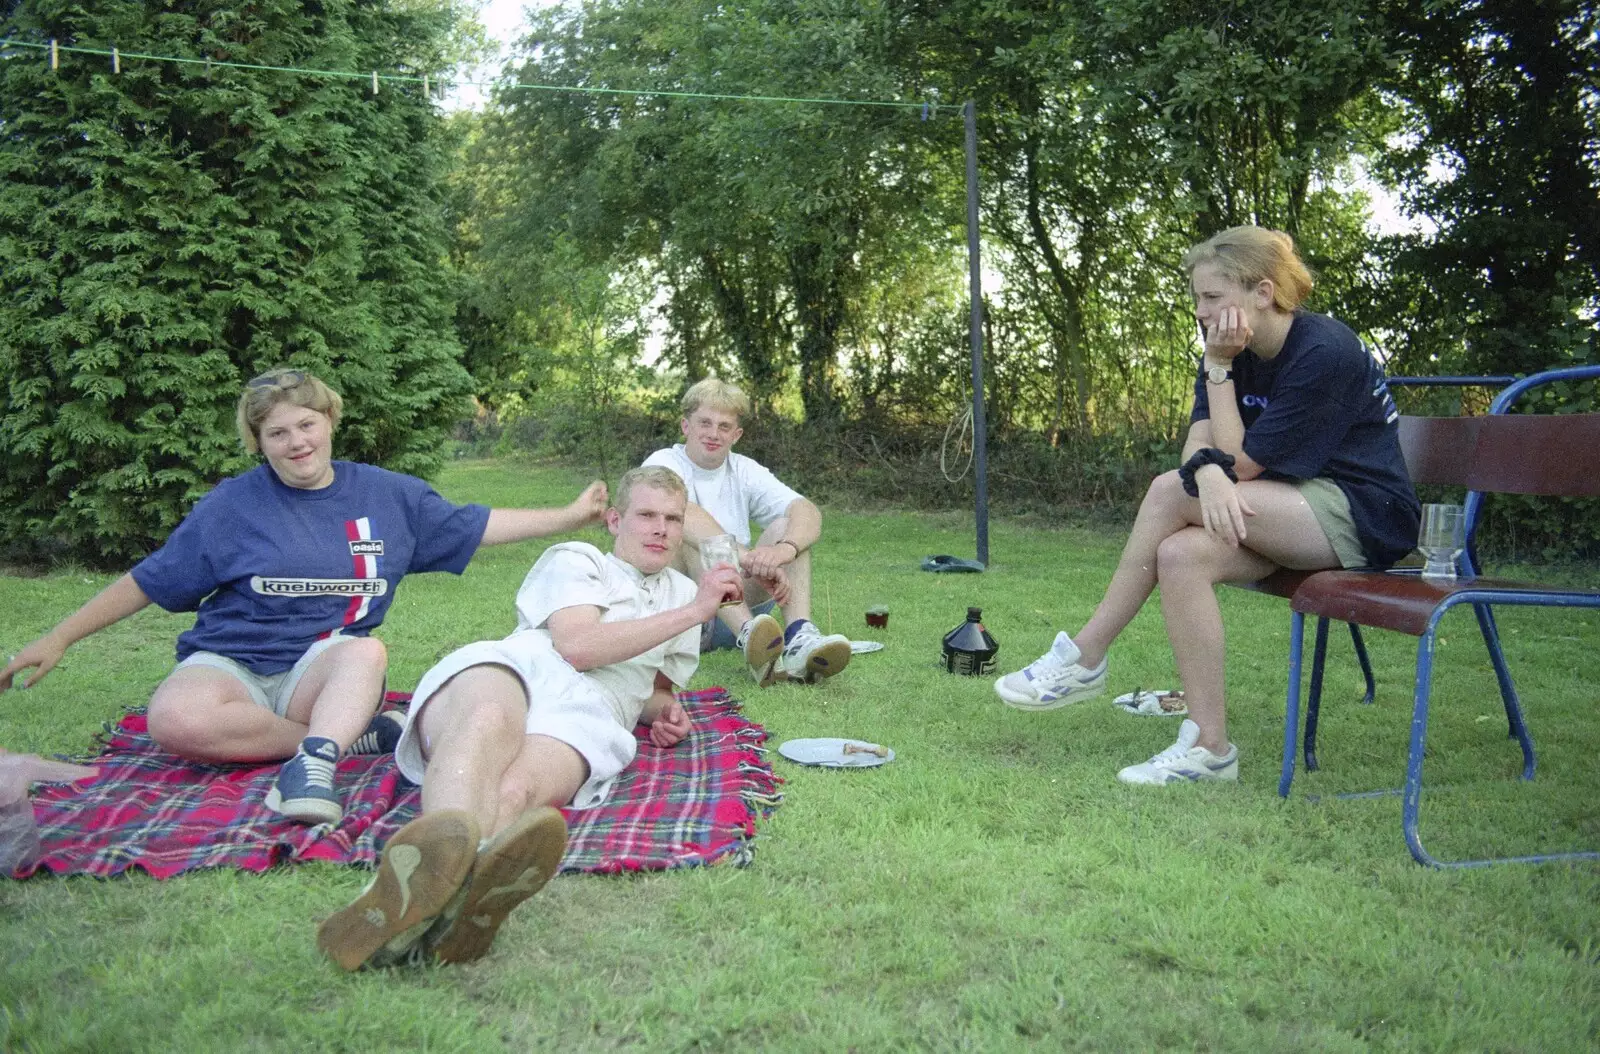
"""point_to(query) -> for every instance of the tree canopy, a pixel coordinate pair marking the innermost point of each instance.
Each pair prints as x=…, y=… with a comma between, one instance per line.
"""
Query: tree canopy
x=818, y=245
x=774, y=191
x=170, y=230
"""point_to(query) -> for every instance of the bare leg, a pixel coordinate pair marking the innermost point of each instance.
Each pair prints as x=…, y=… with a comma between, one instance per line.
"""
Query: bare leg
x=207, y=715
x=798, y=571
x=341, y=690
x=472, y=730
x=1283, y=533
x=546, y=772
x=1166, y=509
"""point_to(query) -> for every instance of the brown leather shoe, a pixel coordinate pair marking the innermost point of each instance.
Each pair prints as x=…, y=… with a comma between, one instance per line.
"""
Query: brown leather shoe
x=420, y=870
x=514, y=866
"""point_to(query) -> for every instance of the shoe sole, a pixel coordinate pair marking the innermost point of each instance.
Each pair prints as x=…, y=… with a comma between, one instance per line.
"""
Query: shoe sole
x=1228, y=774
x=304, y=810
x=421, y=868
x=825, y=662
x=1031, y=702
x=763, y=648
x=509, y=870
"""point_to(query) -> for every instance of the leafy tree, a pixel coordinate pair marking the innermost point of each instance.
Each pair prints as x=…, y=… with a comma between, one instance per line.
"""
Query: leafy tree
x=169, y=230
x=1502, y=155
x=1113, y=135
x=758, y=218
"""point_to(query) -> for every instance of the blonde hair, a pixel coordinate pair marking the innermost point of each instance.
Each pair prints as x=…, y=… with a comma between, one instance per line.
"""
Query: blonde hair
x=717, y=394
x=274, y=388
x=1249, y=255
x=656, y=476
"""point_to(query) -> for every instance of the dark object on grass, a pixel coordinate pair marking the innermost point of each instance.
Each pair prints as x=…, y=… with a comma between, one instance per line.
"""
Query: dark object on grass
x=951, y=564
x=878, y=616
x=969, y=649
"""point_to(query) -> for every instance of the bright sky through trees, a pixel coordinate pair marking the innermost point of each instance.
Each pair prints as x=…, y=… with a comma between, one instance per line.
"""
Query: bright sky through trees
x=504, y=20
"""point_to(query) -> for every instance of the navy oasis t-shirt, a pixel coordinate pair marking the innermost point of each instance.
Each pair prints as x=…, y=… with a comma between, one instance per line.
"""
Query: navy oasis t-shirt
x=272, y=569
x=1321, y=408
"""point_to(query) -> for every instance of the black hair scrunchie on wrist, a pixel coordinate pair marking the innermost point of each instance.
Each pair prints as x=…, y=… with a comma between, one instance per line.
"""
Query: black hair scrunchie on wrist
x=1208, y=455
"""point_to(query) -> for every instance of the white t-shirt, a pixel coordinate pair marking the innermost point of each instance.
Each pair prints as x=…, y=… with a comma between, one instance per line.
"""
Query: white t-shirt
x=573, y=574
x=739, y=491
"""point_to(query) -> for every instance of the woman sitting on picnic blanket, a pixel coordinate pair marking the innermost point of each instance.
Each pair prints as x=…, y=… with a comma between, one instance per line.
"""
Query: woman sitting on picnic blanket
x=502, y=730
x=1292, y=460
x=290, y=566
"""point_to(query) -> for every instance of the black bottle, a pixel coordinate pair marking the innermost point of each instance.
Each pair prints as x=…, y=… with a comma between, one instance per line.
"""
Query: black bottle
x=969, y=648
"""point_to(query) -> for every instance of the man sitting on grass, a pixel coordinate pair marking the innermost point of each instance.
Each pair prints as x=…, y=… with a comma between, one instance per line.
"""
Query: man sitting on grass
x=501, y=731
x=726, y=492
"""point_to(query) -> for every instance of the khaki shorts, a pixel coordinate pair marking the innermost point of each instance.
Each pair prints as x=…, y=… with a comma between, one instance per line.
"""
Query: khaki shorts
x=563, y=704
x=272, y=691
x=1332, y=510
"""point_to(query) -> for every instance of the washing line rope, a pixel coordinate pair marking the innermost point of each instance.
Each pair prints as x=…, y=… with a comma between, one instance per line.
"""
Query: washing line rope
x=118, y=56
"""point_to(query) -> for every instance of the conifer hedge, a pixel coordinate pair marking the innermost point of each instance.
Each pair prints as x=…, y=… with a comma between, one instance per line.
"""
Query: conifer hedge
x=172, y=230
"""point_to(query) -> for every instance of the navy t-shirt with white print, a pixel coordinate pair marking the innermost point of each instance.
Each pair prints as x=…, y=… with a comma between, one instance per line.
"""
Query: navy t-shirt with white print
x=1321, y=408
x=273, y=568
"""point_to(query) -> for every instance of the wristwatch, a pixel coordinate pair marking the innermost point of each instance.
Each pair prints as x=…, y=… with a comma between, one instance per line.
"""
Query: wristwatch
x=1218, y=374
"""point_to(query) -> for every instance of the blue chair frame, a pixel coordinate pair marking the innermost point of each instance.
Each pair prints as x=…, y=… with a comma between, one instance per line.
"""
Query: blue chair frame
x=1320, y=648
x=1481, y=594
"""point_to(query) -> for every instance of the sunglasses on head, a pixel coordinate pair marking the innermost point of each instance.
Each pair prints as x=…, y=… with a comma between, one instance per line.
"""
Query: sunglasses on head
x=280, y=379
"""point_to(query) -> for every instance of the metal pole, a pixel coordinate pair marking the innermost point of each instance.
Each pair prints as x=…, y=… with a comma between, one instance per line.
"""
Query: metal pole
x=980, y=430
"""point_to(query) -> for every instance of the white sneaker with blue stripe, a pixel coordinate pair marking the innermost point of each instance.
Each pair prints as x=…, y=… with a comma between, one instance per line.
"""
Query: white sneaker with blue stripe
x=1053, y=680
x=1184, y=762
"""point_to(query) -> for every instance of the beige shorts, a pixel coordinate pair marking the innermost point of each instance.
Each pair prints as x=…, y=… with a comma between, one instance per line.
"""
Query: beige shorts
x=1332, y=510
x=563, y=704
x=273, y=691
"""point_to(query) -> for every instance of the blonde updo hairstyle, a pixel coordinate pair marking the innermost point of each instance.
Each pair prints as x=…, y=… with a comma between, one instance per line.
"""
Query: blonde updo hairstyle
x=1249, y=255
x=274, y=388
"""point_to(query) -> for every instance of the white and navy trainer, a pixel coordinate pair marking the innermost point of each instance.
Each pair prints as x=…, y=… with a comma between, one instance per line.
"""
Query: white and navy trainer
x=1053, y=680
x=1184, y=761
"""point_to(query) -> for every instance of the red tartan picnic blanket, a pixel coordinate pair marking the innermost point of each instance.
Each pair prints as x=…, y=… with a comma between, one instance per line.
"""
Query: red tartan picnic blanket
x=696, y=803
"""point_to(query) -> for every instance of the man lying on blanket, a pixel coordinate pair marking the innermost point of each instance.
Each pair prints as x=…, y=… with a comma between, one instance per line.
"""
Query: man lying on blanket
x=500, y=731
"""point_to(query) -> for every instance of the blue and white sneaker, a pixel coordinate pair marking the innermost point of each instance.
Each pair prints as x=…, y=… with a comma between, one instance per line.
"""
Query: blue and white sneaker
x=761, y=642
x=304, y=790
x=1052, y=680
x=808, y=656
x=1184, y=761
x=382, y=734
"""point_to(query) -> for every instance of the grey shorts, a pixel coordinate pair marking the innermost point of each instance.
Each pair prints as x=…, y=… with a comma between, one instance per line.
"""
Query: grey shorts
x=272, y=691
x=1332, y=510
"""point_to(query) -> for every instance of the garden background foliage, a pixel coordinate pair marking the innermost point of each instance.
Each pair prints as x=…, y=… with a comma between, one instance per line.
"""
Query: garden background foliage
x=573, y=258
x=170, y=231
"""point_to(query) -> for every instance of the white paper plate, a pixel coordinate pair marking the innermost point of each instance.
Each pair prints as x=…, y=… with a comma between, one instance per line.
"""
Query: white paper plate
x=861, y=647
x=1146, y=702
x=830, y=753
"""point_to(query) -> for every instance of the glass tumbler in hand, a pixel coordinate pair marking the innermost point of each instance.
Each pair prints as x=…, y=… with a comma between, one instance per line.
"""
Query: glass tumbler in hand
x=1442, y=539
x=722, y=550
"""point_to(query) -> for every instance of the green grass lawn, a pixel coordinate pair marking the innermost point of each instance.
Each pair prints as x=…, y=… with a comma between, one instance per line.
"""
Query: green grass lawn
x=994, y=888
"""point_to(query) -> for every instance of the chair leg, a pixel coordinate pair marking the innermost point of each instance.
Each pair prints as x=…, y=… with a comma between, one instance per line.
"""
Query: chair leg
x=1319, y=657
x=1413, y=791
x=1291, y=709
x=1517, y=725
x=1366, y=663
x=1412, y=799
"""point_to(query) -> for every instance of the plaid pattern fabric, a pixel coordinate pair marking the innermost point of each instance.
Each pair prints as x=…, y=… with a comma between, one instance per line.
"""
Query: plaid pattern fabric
x=692, y=804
